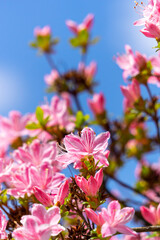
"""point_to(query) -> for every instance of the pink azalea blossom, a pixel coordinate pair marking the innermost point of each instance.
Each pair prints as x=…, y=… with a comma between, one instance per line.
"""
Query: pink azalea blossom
x=151, y=214
x=43, y=197
x=131, y=63
x=97, y=104
x=89, y=71
x=91, y=186
x=6, y=167
x=86, y=145
x=112, y=220
x=42, y=224
x=58, y=116
x=36, y=153
x=26, y=178
x=14, y=126
x=85, y=25
x=56, y=196
x=151, y=19
x=43, y=32
x=51, y=78
x=3, y=225
x=62, y=193
x=155, y=79
x=131, y=94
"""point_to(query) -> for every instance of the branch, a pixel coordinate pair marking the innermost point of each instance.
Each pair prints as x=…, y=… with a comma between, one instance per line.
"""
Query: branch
x=77, y=102
x=147, y=229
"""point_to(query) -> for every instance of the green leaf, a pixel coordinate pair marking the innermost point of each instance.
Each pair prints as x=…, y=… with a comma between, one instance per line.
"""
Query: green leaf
x=152, y=235
x=83, y=37
x=74, y=42
x=39, y=115
x=81, y=119
x=157, y=106
x=33, y=125
x=149, y=65
x=45, y=121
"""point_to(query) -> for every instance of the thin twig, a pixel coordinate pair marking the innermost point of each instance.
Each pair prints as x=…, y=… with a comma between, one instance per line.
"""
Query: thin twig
x=147, y=229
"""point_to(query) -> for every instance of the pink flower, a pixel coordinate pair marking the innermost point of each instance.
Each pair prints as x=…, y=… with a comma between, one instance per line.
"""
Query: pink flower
x=86, y=145
x=36, y=153
x=131, y=94
x=14, y=126
x=42, y=224
x=3, y=225
x=151, y=19
x=85, y=25
x=112, y=220
x=6, y=167
x=43, y=197
x=51, y=78
x=62, y=193
x=58, y=116
x=43, y=32
x=151, y=214
x=130, y=63
x=57, y=195
x=92, y=186
x=97, y=104
x=155, y=79
x=25, y=178
x=89, y=71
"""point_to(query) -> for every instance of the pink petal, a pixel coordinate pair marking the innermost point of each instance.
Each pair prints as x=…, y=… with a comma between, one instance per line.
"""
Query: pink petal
x=88, y=21
x=103, y=160
x=101, y=142
x=72, y=26
x=92, y=215
x=125, y=230
x=88, y=136
x=99, y=178
x=73, y=144
x=92, y=187
x=57, y=229
x=146, y=33
x=148, y=215
x=113, y=208
x=39, y=211
x=53, y=215
x=124, y=215
x=139, y=22
x=158, y=213
x=107, y=231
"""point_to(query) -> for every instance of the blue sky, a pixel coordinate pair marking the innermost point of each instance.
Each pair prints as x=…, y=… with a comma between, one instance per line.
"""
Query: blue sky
x=22, y=85
x=22, y=72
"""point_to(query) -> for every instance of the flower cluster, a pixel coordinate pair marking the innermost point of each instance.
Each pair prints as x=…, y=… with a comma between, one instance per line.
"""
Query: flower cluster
x=55, y=171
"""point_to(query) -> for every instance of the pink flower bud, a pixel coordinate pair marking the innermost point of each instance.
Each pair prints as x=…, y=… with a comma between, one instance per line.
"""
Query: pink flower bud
x=90, y=187
x=131, y=94
x=85, y=25
x=151, y=214
x=97, y=104
x=43, y=32
x=62, y=192
x=50, y=78
x=43, y=197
